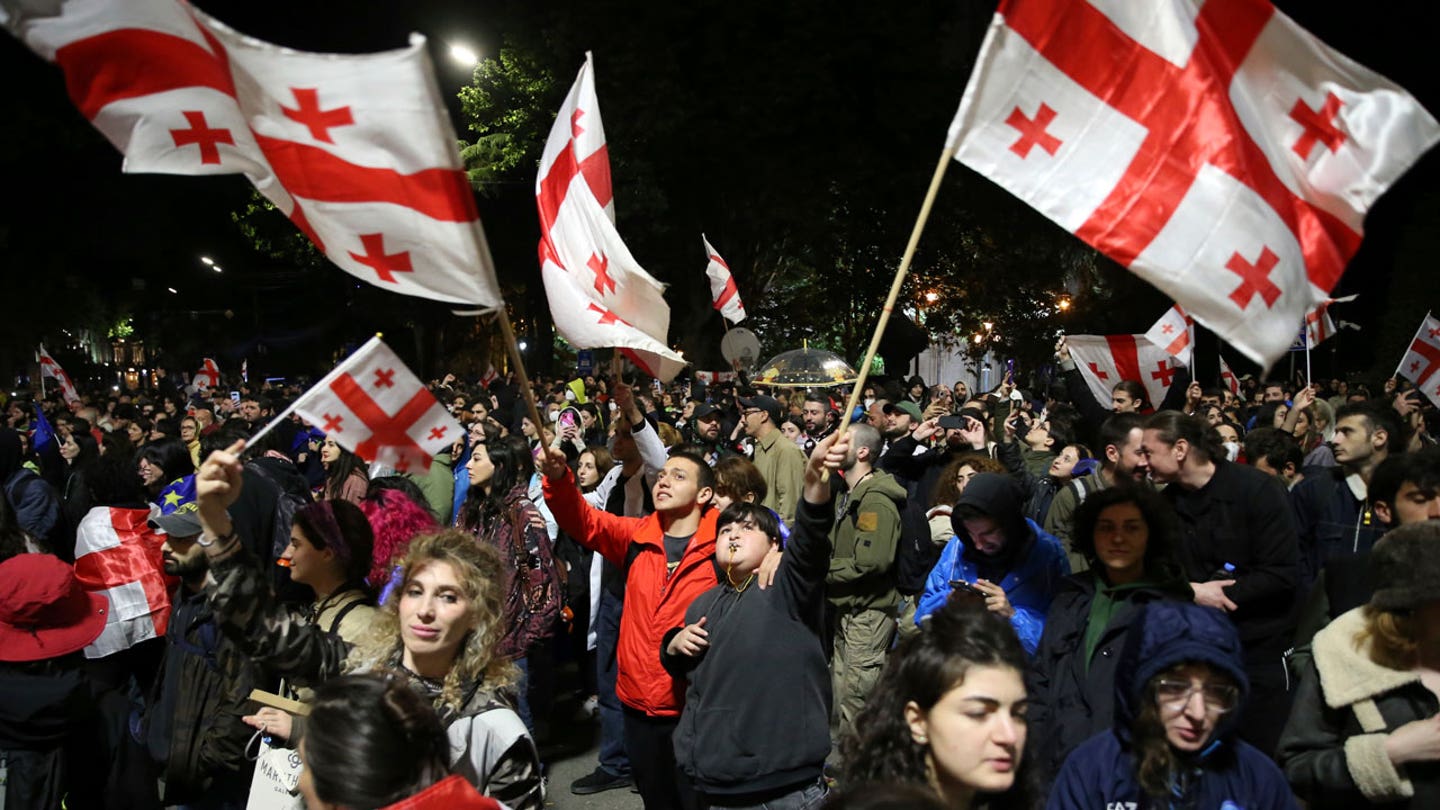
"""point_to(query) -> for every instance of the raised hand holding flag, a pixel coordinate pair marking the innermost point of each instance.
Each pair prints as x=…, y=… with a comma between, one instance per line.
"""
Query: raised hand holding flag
x=1421, y=364
x=1106, y=360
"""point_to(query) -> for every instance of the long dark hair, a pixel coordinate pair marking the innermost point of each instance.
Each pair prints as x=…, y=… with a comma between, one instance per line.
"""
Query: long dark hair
x=340, y=524
x=956, y=638
x=371, y=741
x=345, y=464
x=1173, y=426
x=513, y=467
x=171, y=456
x=89, y=451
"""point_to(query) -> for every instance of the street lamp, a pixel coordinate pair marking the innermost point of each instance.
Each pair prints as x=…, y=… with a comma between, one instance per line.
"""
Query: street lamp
x=464, y=56
x=207, y=260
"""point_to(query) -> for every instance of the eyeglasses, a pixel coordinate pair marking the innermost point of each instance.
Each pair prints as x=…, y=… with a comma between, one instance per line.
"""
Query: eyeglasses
x=1175, y=695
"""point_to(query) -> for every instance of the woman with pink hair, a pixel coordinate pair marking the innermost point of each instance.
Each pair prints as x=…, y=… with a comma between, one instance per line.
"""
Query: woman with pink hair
x=396, y=519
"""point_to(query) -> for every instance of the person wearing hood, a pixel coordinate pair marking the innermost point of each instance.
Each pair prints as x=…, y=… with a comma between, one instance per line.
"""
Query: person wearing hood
x=36, y=506
x=861, y=582
x=1179, y=694
x=1364, y=728
x=1128, y=535
x=1001, y=556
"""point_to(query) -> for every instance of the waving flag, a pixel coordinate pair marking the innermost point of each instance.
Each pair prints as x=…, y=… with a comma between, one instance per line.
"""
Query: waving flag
x=51, y=369
x=375, y=407
x=1105, y=361
x=599, y=295
x=357, y=150
x=1422, y=359
x=1175, y=333
x=722, y=286
x=209, y=373
x=1228, y=378
x=1216, y=149
x=117, y=554
x=1318, y=323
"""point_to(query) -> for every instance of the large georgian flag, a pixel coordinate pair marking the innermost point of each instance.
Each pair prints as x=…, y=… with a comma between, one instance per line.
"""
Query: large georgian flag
x=50, y=368
x=723, y=293
x=599, y=295
x=118, y=555
x=1216, y=149
x=357, y=151
x=375, y=407
x=1106, y=360
x=1421, y=364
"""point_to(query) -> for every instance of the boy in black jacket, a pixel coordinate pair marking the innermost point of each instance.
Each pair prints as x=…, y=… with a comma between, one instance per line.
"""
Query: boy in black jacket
x=755, y=655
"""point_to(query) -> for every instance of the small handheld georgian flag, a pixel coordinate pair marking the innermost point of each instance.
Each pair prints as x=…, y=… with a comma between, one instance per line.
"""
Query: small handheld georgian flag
x=1228, y=378
x=723, y=292
x=209, y=373
x=375, y=407
x=1175, y=333
x=51, y=369
x=1421, y=364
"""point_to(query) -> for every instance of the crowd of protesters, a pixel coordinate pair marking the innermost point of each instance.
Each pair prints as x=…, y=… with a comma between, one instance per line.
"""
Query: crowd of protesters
x=1021, y=597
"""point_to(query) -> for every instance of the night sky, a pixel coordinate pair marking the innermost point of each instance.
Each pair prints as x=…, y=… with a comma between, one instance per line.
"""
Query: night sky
x=63, y=177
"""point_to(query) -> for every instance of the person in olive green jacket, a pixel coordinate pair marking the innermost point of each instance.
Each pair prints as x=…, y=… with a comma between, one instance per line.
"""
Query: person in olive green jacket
x=438, y=485
x=861, y=581
x=781, y=461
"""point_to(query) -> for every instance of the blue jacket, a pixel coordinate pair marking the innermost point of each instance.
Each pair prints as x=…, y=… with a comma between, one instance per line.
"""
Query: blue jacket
x=1227, y=775
x=1029, y=586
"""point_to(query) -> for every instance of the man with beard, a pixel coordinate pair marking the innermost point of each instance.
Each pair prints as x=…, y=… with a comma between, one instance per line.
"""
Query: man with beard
x=194, y=729
x=901, y=419
x=707, y=432
x=820, y=419
x=1122, y=461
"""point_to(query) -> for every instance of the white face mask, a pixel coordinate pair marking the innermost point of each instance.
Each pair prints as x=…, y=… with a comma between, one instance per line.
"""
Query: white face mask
x=868, y=402
x=1232, y=450
x=569, y=395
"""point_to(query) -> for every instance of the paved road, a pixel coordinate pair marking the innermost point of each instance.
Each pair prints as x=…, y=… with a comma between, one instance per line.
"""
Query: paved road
x=571, y=754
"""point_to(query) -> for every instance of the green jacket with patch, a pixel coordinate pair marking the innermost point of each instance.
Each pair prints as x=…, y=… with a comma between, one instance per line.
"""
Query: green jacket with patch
x=864, y=540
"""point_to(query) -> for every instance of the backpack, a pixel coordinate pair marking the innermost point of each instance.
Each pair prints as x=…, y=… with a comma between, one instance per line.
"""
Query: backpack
x=537, y=596
x=285, y=508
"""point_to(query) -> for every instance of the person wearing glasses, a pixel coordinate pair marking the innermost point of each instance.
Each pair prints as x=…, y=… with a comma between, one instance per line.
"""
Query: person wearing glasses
x=1179, y=694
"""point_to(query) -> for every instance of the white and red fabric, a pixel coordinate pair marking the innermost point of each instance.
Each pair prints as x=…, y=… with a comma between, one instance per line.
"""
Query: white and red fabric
x=488, y=377
x=375, y=407
x=51, y=369
x=208, y=375
x=118, y=555
x=1422, y=360
x=1216, y=149
x=1175, y=333
x=723, y=293
x=712, y=377
x=1106, y=360
x=357, y=150
x=245, y=370
x=599, y=295
x=1318, y=323
x=1228, y=378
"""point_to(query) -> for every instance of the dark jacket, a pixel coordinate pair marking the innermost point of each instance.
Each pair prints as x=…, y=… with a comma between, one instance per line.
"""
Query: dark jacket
x=1072, y=700
x=1227, y=773
x=1242, y=517
x=729, y=740
x=1330, y=521
x=865, y=537
x=1039, y=487
x=51, y=735
x=194, y=731
x=1093, y=414
x=37, y=509
x=1333, y=747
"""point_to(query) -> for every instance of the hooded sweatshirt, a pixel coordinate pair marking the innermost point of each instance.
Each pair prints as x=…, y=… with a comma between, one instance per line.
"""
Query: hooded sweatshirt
x=1226, y=773
x=1029, y=567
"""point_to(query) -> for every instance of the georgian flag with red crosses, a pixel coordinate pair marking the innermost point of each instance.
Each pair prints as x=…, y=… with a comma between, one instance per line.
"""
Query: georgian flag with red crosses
x=375, y=407
x=1106, y=360
x=1216, y=149
x=1421, y=364
x=599, y=294
x=357, y=150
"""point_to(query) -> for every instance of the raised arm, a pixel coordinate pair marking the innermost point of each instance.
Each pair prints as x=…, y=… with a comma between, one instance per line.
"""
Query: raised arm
x=592, y=528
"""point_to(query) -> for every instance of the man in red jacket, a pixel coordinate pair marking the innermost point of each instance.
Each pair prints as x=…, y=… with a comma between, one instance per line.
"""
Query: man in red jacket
x=668, y=560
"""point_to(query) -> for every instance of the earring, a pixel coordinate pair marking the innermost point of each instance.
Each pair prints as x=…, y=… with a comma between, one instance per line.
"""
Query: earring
x=921, y=739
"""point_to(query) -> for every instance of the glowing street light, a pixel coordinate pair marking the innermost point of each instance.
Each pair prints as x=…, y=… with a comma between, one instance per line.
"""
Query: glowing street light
x=207, y=260
x=1064, y=303
x=931, y=297
x=216, y=268
x=172, y=291
x=464, y=56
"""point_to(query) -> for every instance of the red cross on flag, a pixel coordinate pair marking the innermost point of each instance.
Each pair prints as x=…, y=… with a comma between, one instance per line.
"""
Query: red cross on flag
x=208, y=375
x=375, y=407
x=1216, y=149
x=118, y=555
x=599, y=295
x=51, y=369
x=723, y=292
x=1228, y=378
x=356, y=149
x=1422, y=360
x=1105, y=361
x=1318, y=323
x=1174, y=332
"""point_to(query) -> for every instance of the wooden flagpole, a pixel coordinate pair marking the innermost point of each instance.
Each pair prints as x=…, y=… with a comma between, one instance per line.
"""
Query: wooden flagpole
x=946, y=157
x=508, y=333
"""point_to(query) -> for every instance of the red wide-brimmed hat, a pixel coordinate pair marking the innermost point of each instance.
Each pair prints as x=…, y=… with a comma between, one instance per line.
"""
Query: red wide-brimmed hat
x=44, y=613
